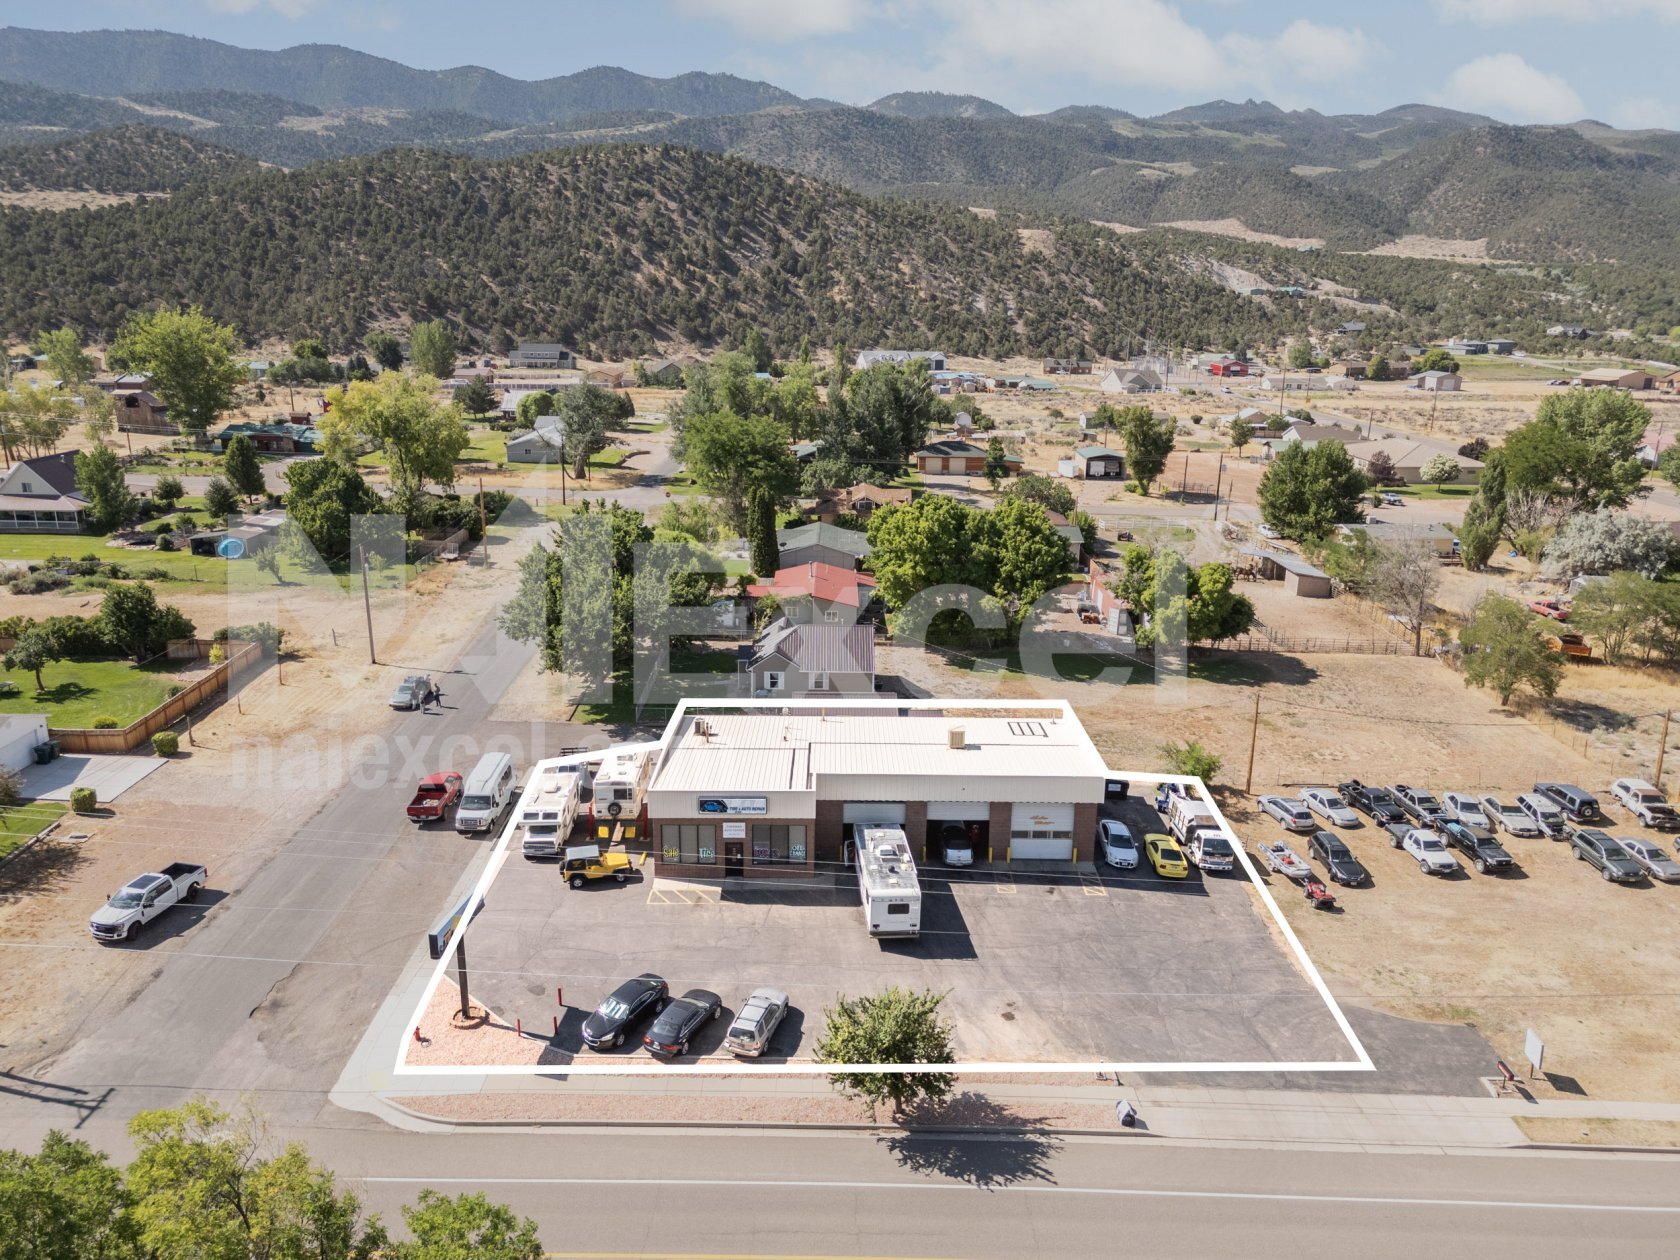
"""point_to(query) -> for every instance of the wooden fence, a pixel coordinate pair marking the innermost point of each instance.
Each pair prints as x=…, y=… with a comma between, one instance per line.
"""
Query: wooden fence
x=241, y=659
x=1313, y=643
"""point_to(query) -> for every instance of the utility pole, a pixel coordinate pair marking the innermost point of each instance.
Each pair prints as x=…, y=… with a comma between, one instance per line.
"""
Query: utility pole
x=367, y=606
x=1662, y=749
x=1218, y=476
x=483, y=522
x=1253, y=737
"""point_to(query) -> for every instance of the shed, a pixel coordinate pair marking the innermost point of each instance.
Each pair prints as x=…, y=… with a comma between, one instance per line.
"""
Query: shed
x=1100, y=461
x=20, y=734
x=1299, y=578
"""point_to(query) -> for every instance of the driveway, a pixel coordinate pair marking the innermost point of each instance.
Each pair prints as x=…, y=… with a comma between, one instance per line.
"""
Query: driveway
x=108, y=776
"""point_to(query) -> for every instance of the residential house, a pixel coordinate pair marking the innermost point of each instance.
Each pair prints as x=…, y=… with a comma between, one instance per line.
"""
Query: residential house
x=1438, y=536
x=1227, y=368
x=817, y=658
x=277, y=438
x=1067, y=367
x=1615, y=378
x=1068, y=530
x=39, y=496
x=1350, y=369
x=609, y=378
x=860, y=501
x=1254, y=417
x=1130, y=381
x=1409, y=455
x=509, y=406
x=1310, y=435
x=1100, y=461
x=1576, y=332
x=1464, y=345
x=818, y=592
x=113, y=383
x=935, y=359
x=1669, y=384
x=821, y=543
x=1288, y=384
x=1437, y=382
x=542, y=354
x=1351, y=328
x=256, y=369
x=954, y=456
x=667, y=372
x=1035, y=384
x=141, y=411
x=805, y=452
x=1291, y=290
x=535, y=446
x=1341, y=384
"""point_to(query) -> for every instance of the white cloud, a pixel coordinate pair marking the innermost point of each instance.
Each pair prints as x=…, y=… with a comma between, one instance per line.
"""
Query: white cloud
x=1511, y=12
x=781, y=20
x=1638, y=113
x=285, y=8
x=1507, y=87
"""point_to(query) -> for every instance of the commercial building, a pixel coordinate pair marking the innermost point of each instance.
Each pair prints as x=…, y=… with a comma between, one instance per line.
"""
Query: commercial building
x=770, y=793
x=542, y=354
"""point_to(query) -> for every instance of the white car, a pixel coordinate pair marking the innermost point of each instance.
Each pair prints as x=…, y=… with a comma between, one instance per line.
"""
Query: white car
x=1645, y=803
x=1118, y=846
x=1467, y=809
x=1329, y=806
x=1510, y=819
x=1266, y=531
x=1657, y=863
x=1545, y=813
x=1290, y=812
x=1431, y=853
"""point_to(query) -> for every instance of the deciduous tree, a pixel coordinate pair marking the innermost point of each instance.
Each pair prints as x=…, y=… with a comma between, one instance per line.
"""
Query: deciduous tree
x=477, y=398
x=463, y=1227
x=1148, y=443
x=1437, y=470
x=1582, y=446
x=65, y=1203
x=894, y=1026
x=1405, y=580
x=66, y=360
x=242, y=468
x=1242, y=433
x=190, y=358
x=385, y=349
x=397, y=415
x=1306, y=492
x=100, y=477
x=1605, y=542
x=431, y=347
x=35, y=649
x=731, y=455
x=1504, y=648
x=221, y=500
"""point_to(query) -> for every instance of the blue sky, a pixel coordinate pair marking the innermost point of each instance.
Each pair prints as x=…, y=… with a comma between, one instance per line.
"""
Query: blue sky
x=1518, y=60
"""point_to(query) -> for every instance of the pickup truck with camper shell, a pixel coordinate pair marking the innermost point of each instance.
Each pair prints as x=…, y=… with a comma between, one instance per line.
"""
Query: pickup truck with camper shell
x=1198, y=832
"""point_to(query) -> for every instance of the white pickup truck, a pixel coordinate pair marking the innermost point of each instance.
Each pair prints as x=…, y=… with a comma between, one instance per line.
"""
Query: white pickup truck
x=145, y=897
x=1196, y=828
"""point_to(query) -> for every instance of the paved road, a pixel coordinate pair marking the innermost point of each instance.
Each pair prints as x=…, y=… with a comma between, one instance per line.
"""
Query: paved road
x=850, y=1195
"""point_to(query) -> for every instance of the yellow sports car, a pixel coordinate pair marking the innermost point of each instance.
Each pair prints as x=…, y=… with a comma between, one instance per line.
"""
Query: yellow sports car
x=1166, y=857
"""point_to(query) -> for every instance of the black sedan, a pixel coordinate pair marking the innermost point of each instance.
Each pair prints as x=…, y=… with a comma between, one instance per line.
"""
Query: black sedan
x=1601, y=850
x=678, y=1023
x=1374, y=802
x=1338, y=859
x=623, y=1008
x=1477, y=844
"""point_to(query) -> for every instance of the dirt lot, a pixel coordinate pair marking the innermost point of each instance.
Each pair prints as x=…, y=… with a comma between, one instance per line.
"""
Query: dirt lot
x=1593, y=967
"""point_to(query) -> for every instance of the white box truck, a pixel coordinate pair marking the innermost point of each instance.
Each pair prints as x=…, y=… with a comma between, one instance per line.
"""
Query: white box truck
x=888, y=889
x=1193, y=823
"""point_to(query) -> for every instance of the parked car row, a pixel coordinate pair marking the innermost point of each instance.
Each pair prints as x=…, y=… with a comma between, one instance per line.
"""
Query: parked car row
x=676, y=1021
x=1443, y=834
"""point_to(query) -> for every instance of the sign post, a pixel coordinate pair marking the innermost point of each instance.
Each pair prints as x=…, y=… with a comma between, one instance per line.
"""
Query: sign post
x=452, y=931
x=1535, y=1050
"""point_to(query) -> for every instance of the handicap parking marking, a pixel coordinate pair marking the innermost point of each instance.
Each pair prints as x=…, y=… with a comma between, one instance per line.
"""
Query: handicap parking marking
x=1094, y=887
x=681, y=897
x=1005, y=885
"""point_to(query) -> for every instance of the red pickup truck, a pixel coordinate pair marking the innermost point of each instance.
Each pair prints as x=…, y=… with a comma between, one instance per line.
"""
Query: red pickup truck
x=436, y=793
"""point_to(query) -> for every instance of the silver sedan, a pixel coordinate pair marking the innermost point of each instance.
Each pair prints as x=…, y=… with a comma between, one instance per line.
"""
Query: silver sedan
x=1328, y=805
x=1657, y=863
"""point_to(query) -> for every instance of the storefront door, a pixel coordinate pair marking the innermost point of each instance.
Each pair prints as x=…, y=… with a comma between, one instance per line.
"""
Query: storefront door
x=734, y=859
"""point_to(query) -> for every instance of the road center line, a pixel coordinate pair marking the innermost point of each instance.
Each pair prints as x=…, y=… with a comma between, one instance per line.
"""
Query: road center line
x=1108, y=1191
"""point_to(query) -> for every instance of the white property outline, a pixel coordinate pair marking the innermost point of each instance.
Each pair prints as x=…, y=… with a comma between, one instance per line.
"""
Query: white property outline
x=724, y=1067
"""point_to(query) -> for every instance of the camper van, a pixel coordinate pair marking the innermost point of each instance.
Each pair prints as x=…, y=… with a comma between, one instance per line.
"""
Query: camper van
x=488, y=792
x=887, y=885
x=619, y=799
x=550, y=811
x=1199, y=832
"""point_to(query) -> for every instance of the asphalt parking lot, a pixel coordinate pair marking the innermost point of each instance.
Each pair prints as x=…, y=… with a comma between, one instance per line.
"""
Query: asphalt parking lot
x=1049, y=966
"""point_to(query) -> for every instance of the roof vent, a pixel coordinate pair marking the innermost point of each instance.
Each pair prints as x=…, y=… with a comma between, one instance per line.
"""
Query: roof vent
x=959, y=737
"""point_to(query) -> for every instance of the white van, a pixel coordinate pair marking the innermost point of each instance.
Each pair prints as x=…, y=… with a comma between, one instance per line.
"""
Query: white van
x=488, y=791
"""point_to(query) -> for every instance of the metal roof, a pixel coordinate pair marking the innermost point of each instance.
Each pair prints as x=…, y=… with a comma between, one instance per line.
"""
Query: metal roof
x=1287, y=561
x=821, y=533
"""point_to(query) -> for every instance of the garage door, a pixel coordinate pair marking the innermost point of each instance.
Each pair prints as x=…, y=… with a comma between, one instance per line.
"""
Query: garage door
x=873, y=812
x=1041, y=832
x=959, y=811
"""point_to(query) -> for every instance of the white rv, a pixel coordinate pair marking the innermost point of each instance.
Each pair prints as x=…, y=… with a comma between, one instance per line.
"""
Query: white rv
x=618, y=798
x=549, y=811
x=1196, y=828
x=887, y=885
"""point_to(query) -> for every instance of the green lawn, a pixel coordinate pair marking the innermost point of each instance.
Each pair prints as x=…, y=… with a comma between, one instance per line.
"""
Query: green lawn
x=1432, y=492
x=80, y=691
x=183, y=566
x=487, y=447
x=21, y=824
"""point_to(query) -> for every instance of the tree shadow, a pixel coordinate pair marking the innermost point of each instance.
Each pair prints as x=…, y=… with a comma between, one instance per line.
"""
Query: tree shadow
x=1018, y=1149
x=1584, y=716
x=41, y=869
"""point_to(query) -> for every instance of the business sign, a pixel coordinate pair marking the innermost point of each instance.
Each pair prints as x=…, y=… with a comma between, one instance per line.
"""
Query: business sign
x=1534, y=1049
x=440, y=938
x=734, y=805
x=734, y=831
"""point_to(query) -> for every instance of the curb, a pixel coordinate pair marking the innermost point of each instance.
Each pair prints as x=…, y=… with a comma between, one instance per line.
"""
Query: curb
x=1578, y=1148
x=952, y=1130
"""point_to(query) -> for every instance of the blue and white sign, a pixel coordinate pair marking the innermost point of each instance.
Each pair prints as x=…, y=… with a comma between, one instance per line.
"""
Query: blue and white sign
x=734, y=805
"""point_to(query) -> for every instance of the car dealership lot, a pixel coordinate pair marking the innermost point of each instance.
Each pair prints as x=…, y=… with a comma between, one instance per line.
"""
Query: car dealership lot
x=1060, y=964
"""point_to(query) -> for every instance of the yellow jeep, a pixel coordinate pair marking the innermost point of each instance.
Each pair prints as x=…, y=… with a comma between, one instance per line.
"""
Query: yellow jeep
x=587, y=862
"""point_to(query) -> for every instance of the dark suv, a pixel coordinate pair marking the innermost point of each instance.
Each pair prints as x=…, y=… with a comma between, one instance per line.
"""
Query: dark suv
x=1603, y=851
x=1578, y=804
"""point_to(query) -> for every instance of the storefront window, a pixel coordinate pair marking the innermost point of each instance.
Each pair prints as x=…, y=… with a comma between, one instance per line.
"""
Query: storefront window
x=689, y=842
x=778, y=842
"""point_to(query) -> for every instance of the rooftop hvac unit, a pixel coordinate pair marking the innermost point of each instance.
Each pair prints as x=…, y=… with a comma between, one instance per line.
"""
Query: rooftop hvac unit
x=959, y=737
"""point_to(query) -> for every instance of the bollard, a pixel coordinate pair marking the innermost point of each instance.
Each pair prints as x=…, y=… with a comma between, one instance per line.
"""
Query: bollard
x=518, y=1028
x=556, y=1025
x=417, y=1035
x=559, y=996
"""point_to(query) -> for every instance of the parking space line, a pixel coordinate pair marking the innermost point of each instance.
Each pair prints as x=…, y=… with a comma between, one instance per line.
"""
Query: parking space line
x=680, y=896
